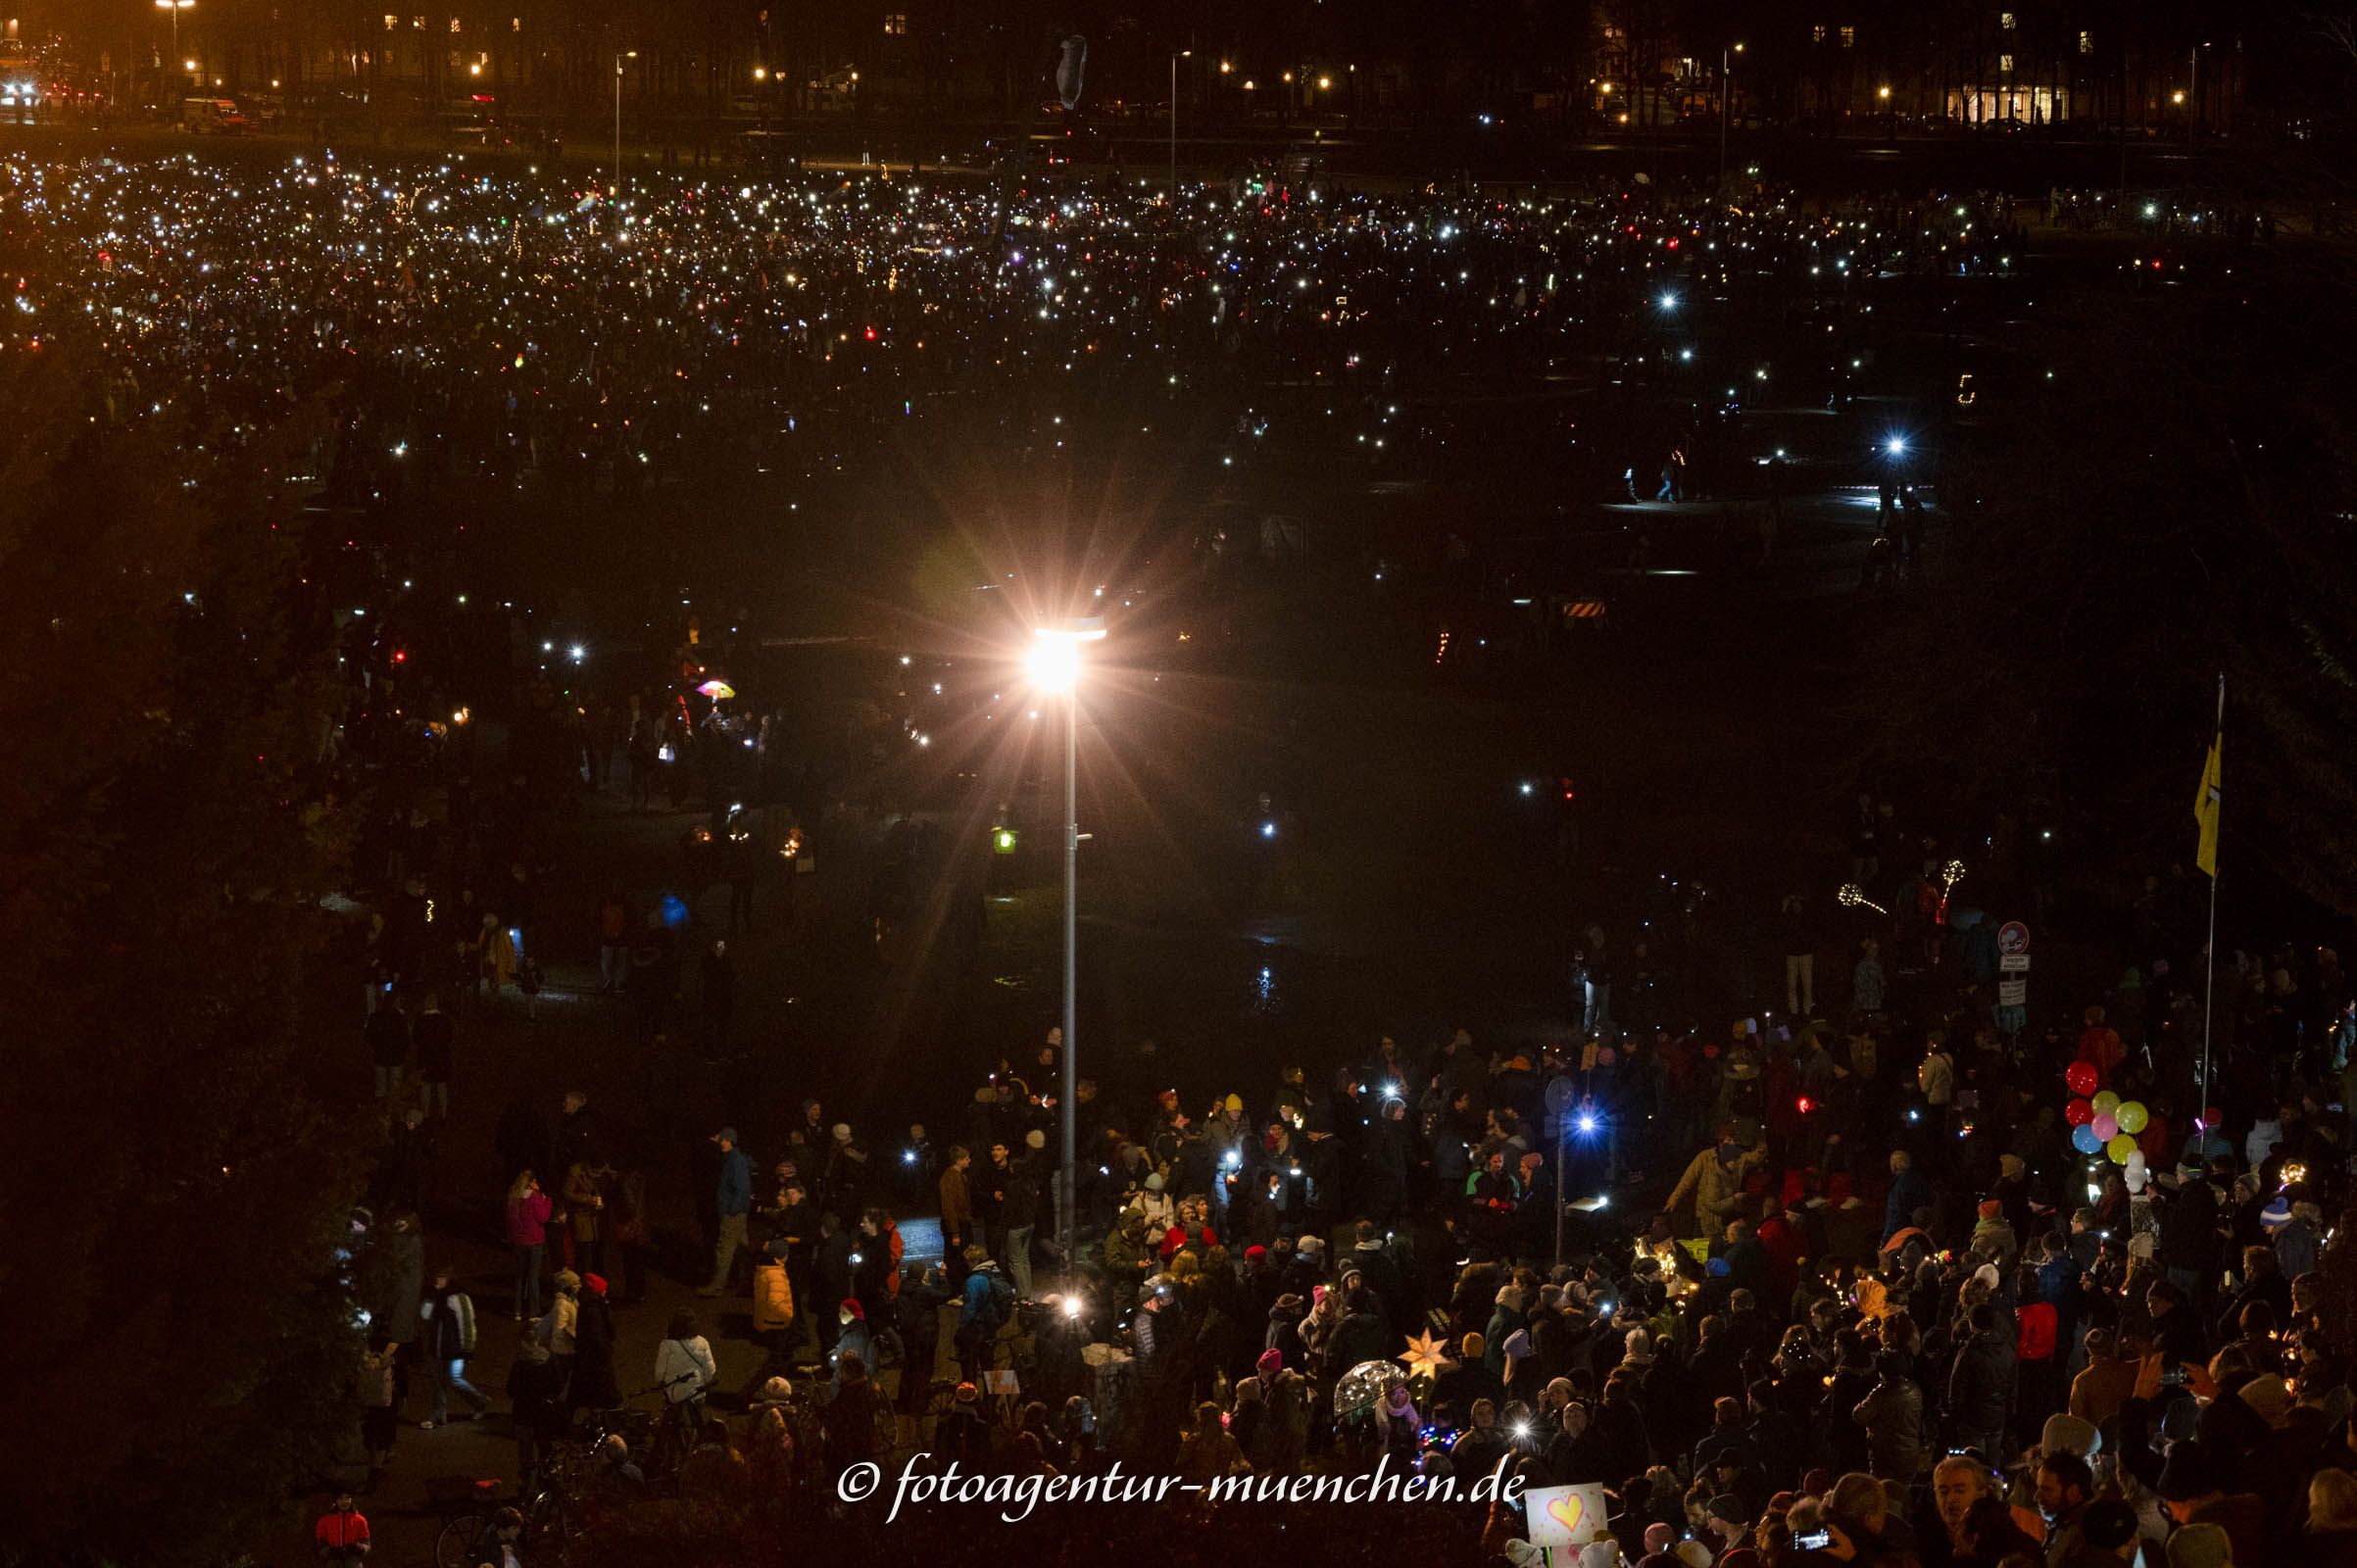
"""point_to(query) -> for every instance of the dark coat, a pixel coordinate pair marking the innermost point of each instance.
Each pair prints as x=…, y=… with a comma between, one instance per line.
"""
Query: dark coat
x=1980, y=1383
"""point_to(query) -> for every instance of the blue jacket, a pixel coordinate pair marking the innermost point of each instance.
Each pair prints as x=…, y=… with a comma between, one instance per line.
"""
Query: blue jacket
x=976, y=1307
x=1909, y=1192
x=736, y=1182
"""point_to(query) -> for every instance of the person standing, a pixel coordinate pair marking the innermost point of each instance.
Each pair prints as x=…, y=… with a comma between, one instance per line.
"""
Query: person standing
x=957, y=1205
x=585, y=1216
x=528, y=1211
x=449, y=1318
x=435, y=1033
x=558, y=1326
x=1800, y=956
x=388, y=1036
x=627, y=1227
x=380, y=1397
x=613, y=942
x=719, y=1000
x=735, y=1203
x=594, y=1386
x=684, y=1367
x=1868, y=987
x=518, y=908
x=1019, y=1214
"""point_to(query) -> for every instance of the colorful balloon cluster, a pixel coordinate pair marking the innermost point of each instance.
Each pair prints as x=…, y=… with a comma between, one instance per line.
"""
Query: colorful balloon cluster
x=2102, y=1122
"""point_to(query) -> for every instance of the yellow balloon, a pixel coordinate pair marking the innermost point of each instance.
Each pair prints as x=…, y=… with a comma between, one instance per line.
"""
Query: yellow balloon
x=2119, y=1148
x=2105, y=1101
x=2131, y=1115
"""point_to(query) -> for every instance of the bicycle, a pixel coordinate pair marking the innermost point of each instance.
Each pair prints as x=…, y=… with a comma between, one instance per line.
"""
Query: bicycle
x=466, y=1504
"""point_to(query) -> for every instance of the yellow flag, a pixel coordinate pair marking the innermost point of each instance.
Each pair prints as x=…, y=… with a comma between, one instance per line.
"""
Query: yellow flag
x=2205, y=811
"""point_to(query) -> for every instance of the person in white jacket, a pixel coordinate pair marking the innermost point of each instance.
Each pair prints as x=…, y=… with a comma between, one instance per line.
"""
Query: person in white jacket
x=683, y=1366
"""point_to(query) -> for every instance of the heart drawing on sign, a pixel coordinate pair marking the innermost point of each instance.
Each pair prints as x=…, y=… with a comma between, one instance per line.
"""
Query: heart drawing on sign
x=1567, y=1511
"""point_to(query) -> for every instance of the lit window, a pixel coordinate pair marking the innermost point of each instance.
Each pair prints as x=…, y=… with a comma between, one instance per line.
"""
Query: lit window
x=2005, y=21
x=896, y=23
x=417, y=23
x=2006, y=64
x=1850, y=37
x=1817, y=33
x=454, y=23
x=2087, y=42
x=516, y=23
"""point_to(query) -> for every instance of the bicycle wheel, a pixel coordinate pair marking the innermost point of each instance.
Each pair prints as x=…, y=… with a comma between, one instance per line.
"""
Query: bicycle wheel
x=453, y=1547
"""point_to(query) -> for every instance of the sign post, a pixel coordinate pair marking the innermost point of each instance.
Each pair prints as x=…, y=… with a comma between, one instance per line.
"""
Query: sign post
x=2013, y=990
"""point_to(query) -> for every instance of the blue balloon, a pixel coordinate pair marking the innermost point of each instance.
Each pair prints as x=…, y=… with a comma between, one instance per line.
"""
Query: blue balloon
x=1718, y=1268
x=2083, y=1138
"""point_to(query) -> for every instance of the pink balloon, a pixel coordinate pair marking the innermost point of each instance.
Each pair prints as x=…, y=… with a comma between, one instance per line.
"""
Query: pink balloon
x=2106, y=1127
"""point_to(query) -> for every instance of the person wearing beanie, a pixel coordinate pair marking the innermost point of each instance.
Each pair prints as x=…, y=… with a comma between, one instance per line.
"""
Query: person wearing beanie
x=2192, y=1486
x=1726, y=1516
x=2269, y=1397
x=964, y=1431
x=1993, y=1239
x=2070, y=1433
x=2202, y=1546
x=854, y=1342
x=595, y=1385
x=555, y=1330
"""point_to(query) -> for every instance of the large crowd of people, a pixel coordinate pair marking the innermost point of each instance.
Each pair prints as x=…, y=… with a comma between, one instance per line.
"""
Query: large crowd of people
x=1843, y=1273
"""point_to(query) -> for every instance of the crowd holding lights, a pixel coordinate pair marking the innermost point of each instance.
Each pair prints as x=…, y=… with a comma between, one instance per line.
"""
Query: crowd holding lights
x=505, y=313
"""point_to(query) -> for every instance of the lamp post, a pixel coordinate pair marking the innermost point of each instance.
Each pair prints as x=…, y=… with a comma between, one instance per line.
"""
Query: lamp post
x=1055, y=668
x=2193, y=98
x=1726, y=105
x=619, y=57
x=1177, y=56
x=174, y=7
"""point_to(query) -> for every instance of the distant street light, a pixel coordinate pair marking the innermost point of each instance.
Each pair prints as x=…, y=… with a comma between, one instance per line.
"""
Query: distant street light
x=1726, y=105
x=627, y=54
x=1177, y=56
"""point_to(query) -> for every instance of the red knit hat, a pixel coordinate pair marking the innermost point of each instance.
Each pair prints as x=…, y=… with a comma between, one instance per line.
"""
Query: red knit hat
x=1990, y=1209
x=593, y=1284
x=1252, y=1253
x=856, y=1310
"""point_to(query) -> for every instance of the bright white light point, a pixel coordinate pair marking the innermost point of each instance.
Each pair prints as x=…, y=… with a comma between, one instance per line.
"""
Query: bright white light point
x=1053, y=663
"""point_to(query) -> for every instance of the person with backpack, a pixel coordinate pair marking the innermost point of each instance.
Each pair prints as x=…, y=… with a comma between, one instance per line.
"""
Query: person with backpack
x=449, y=1322
x=988, y=1305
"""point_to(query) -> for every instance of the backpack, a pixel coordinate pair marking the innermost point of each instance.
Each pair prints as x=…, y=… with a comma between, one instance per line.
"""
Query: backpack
x=461, y=1308
x=999, y=1308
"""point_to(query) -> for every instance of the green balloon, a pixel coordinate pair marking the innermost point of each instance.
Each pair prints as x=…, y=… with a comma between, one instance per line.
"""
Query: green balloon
x=2131, y=1115
x=2119, y=1148
x=2106, y=1101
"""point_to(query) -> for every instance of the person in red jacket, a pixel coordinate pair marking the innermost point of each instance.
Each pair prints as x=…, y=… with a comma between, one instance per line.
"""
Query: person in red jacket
x=1785, y=1246
x=2036, y=1329
x=2099, y=1046
x=341, y=1536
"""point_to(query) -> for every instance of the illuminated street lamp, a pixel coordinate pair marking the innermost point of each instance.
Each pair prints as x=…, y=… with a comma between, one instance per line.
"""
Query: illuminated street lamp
x=1726, y=100
x=175, y=7
x=1176, y=55
x=626, y=54
x=1055, y=664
